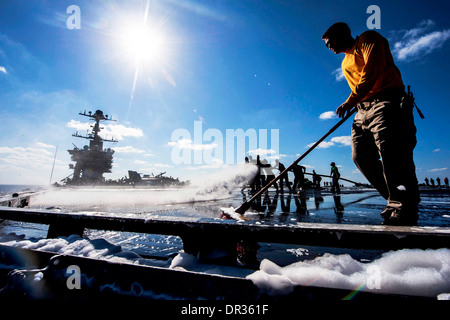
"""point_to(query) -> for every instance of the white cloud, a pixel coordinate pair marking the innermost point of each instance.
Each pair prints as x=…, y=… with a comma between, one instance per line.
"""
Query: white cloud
x=436, y=150
x=44, y=145
x=421, y=28
x=261, y=152
x=128, y=149
x=119, y=131
x=419, y=41
x=3, y=70
x=78, y=125
x=116, y=131
x=162, y=165
x=344, y=140
x=338, y=74
x=328, y=115
x=216, y=164
x=422, y=46
x=275, y=157
x=189, y=144
x=28, y=156
x=438, y=169
x=335, y=141
x=322, y=145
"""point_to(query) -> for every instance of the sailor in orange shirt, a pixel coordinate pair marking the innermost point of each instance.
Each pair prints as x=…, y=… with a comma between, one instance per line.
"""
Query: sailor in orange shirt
x=383, y=132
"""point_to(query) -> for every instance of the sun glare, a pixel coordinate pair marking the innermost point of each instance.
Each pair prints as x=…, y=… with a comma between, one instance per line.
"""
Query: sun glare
x=144, y=45
x=143, y=40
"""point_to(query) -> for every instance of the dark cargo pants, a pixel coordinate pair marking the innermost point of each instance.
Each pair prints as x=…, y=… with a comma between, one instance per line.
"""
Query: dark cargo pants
x=383, y=140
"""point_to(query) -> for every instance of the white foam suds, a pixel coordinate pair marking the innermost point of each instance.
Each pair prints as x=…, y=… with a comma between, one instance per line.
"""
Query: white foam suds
x=230, y=213
x=77, y=246
x=410, y=271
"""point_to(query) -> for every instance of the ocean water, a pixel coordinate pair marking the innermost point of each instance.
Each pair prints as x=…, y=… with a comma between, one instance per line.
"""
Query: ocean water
x=8, y=189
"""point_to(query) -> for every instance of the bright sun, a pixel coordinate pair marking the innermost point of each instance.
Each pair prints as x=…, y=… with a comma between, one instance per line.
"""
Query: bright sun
x=143, y=40
x=144, y=45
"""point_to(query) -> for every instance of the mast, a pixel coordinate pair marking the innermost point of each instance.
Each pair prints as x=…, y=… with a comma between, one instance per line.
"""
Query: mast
x=92, y=161
x=96, y=140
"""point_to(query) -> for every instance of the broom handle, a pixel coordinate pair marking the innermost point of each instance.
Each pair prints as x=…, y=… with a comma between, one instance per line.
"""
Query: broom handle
x=337, y=125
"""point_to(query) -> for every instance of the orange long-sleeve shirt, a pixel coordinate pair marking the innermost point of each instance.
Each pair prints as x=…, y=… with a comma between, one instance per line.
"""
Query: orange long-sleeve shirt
x=369, y=67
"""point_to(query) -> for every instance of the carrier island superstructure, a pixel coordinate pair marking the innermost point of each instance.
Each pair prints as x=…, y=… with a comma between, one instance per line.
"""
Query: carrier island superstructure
x=92, y=161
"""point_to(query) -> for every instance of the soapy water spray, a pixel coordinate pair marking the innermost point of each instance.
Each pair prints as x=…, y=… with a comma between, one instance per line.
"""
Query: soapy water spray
x=218, y=186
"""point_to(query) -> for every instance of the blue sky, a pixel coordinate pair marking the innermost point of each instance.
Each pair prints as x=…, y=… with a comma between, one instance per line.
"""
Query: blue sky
x=255, y=66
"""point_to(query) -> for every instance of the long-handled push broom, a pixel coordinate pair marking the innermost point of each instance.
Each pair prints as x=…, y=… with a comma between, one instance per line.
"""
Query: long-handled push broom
x=246, y=205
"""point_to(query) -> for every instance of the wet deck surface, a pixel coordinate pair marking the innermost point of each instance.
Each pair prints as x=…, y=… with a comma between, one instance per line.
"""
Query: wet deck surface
x=353, y=206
